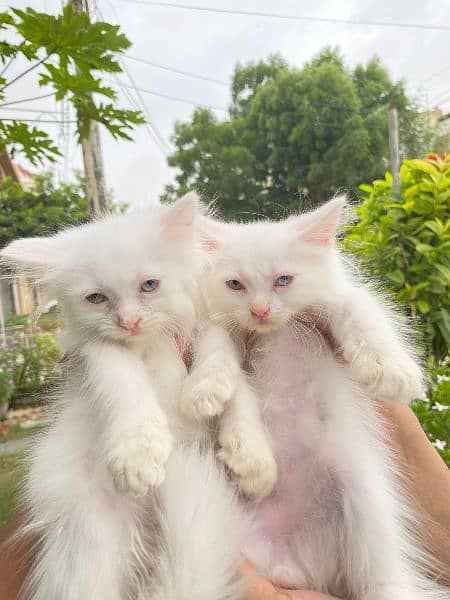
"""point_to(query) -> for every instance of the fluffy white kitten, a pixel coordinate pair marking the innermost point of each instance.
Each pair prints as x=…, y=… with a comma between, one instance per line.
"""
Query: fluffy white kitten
x=337, y=520
x=127, y=287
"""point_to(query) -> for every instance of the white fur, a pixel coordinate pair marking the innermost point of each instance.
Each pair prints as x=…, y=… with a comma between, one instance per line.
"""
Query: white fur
x=203, y=531
x=350, y=535
x=102, y=530
x=217, y=385
x=372, y=338
x=338, y=493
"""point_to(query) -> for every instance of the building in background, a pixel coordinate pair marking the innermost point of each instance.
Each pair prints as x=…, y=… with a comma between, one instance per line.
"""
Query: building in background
x=17, y=173
x=440, y=121
x=17, y=295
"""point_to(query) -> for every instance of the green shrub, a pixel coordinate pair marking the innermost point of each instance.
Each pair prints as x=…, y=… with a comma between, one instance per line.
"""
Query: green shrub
x=7, y=367
x=16, y=320
x=405, y=241
x=434, y=411
x=28, y=365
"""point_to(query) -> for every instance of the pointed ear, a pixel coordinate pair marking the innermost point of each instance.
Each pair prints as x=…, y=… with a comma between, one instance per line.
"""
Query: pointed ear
x=319, y=227
x=211, y=232
x=33, y=257
x=179, y=219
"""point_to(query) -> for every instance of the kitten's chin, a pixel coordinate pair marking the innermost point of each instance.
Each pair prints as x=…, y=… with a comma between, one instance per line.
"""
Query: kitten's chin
x=264, y=327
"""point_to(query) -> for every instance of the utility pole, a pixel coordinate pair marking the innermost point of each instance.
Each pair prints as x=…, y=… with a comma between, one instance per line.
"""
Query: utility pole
x=92, y=153
x=394, y=149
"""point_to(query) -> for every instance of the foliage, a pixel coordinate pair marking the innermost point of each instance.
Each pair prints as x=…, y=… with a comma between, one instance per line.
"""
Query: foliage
x=19, y=431
x=43, y=210
x=16, y=320
x=51, y=320
x=434, y=411
x=7, y=368
x=28, y=364
x=69, y=54
x=406, y=241
x=292, y=133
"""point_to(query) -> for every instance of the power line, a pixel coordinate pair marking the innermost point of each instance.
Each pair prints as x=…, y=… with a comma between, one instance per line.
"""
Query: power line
x=433, y=75
x=446, y=99
x=437, y=97
x=229, y=11
x=28, y=70
x=363, y=111
x=27, y=99
x=55, y=121
x=179, y=71
x=156, y=136
x=160, y=141
x=6, y=65
x=174, y=98
x=36, y=110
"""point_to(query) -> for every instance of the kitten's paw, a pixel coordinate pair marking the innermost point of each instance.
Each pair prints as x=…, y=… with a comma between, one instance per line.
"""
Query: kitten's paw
x=138, y=462
x=207, y=390
x=288, y=575
x=390, y=377
x=402, y=380
x=249, y=457
x=365, y=365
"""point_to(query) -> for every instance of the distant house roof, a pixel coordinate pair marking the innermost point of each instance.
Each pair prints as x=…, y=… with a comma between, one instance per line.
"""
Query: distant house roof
x=25, y=172
x=17, y=173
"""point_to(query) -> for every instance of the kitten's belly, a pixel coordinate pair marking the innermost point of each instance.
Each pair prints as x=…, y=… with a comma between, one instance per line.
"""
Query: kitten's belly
x=293, y=527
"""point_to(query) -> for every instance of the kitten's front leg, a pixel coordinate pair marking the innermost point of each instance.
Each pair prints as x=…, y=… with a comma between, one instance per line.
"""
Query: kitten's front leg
x=132, y=426
x=212, y=380
x=377, y=356
x=245, y=444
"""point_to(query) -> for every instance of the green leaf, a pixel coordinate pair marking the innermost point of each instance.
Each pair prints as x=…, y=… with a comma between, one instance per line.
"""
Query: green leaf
x=444, y=270
x=436, y=226
x=71, y=55
x=424, y=248
x=423, y=306
x=396, y=276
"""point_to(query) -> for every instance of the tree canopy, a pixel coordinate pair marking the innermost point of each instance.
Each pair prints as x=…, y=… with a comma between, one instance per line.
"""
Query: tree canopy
x=293, y=135
x=45, y=209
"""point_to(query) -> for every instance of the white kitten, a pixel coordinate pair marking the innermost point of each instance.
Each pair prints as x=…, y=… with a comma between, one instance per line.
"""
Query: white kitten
x=127, y=287
x=338, y=520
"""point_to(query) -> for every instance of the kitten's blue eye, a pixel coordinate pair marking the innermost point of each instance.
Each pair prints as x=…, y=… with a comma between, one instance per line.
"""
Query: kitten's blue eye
x=96, y=298
x=150, y=285
x=234, y=284
x=283, y=280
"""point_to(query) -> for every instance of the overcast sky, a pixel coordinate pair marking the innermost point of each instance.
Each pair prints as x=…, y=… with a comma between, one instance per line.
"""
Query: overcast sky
x=210, y=44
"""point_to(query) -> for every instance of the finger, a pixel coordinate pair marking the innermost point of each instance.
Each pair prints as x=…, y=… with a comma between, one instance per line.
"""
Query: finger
x=258, y=587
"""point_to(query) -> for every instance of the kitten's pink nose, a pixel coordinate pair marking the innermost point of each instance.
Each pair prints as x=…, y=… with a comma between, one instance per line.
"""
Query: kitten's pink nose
x=260, y=309
x=130, y=323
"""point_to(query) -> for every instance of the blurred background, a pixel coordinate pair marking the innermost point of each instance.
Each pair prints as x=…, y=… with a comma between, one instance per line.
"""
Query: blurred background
x=264, y=108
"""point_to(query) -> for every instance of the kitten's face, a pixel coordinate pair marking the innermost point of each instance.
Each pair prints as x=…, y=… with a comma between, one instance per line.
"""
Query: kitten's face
x=129, y=276
x=264, y=274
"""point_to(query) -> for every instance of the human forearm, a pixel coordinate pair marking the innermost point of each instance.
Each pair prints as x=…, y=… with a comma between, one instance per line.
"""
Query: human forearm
x=427, y=478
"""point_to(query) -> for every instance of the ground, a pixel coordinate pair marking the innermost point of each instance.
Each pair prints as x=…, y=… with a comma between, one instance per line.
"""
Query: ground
x=9, y=480
x=19, y=425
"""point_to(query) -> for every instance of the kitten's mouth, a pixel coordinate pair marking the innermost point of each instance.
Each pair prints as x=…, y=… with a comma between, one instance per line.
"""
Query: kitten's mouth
x=130, y=333
x=263, y=324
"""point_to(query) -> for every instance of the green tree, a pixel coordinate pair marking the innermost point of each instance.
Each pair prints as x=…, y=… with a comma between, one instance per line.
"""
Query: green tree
x=46, y=209
x=291, y=133
x=70, y=55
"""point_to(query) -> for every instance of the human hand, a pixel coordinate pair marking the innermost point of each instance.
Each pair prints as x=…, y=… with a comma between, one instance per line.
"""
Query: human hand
x=261, y=589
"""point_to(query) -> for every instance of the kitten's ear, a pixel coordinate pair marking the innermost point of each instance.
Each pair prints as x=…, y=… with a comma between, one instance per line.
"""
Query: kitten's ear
x=319, y=227
x=211, y=232
x=34, y=257
x=180, y=218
